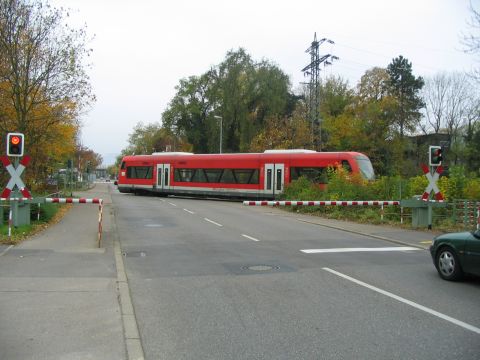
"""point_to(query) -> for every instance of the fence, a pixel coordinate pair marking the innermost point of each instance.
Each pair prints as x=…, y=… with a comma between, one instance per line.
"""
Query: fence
x=465, y=212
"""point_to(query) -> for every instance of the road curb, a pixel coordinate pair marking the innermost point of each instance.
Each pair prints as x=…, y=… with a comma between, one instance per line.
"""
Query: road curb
x=131, y=334
x=365, y=234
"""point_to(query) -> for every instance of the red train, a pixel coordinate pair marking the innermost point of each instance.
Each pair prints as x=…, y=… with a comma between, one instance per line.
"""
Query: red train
x=258, y=176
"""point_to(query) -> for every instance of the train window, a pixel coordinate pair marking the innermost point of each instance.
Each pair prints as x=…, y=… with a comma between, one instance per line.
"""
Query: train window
x=346, y=165
x=279, y=179
x=139, y=172
x=199, y=176
x=227, y=177
x=246, y=176
x=316, y=174
x=159, y=177
x=123, y=165
x=269, y=179
x=184, y=175
x=166, y=177
x=213, y=175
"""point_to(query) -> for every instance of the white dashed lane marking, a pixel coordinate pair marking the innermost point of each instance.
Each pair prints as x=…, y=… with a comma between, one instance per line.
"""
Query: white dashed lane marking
x=213, y=222
x=249, y=237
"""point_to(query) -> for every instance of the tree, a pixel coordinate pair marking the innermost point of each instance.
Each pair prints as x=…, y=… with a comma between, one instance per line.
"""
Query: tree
x=291, y=132
x=150, y=138
x=43, y=82
x=373, y=85
x=471, y=41
x=86, y=159
x=191, y=111
x=372, y=113
x=244, y=93
x=435, y=95
x=405, y=87
x=472, y=140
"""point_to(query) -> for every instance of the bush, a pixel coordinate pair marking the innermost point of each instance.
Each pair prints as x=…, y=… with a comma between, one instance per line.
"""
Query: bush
x=302, y=189
x=472, y=189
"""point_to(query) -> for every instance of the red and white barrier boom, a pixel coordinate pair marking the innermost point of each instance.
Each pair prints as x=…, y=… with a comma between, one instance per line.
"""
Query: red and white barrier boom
x=83, y=201
x=63, y=201
x=322, y=203
x=74, y=201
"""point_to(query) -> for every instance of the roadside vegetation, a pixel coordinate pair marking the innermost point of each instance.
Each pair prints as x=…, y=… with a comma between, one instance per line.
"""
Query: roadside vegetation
x=461, y=194
x=44, y=88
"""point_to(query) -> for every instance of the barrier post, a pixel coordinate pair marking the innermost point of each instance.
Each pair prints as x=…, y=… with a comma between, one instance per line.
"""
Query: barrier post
x=100, y=218
x=10, y=217
x=478, y=215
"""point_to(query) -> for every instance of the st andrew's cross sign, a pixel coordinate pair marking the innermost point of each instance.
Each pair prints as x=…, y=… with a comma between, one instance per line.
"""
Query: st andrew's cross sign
x=15, y=179
x=432, y=183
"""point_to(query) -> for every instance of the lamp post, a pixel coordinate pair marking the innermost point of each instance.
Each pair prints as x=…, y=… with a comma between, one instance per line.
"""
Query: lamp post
x=221, y=130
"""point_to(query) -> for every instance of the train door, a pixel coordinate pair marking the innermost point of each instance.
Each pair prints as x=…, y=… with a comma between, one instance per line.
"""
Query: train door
x=274, y=178
x=163, y=176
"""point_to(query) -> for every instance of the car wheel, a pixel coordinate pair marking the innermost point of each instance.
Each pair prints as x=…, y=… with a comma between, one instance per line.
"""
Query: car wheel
x=448, y=265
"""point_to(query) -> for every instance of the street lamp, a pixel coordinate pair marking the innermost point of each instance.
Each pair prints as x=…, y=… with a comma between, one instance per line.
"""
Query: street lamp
x=221, y=130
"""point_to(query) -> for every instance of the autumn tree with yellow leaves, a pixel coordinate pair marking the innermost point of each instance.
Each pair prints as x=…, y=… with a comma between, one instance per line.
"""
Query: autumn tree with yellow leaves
x=43, y=83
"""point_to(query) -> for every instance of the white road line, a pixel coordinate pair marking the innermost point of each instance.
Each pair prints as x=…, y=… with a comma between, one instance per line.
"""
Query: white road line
x=213, y=222
x=408, y=302
x=5, y=251
x=172, y=204
x=188, y=211
x=343, y=250
x=249, y=237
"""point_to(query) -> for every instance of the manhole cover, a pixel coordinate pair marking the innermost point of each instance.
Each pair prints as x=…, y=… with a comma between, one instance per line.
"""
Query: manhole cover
x=260, y=267
x=135, y=254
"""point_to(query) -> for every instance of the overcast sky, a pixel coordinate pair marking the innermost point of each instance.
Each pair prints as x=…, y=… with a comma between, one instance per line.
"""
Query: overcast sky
x=142, y=48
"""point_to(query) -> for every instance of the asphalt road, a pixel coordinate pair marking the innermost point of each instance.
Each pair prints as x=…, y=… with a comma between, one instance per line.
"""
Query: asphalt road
x=217, y=280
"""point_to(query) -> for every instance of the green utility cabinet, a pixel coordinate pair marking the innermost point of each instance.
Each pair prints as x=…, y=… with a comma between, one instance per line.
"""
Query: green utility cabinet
x=21, y=213
x=420, y=217
x=422, y=211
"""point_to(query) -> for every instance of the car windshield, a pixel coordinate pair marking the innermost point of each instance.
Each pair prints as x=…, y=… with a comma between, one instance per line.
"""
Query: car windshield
x=476, y=233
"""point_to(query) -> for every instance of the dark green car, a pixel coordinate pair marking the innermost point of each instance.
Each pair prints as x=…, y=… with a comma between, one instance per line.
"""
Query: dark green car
x=456, y=254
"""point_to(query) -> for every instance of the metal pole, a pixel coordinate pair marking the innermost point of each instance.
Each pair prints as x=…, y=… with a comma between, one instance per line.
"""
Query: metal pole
x=10, y=221
x=221, y=130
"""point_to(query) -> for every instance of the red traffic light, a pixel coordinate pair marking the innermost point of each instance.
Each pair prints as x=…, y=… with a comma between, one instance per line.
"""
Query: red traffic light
x=15, y=144
x=15, y=140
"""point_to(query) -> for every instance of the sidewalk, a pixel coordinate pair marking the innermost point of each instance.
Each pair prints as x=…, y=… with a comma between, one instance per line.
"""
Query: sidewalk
x=59, y=291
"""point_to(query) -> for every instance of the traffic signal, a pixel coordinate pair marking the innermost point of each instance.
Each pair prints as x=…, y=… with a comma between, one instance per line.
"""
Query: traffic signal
x=15, y=144
x=435, y=155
